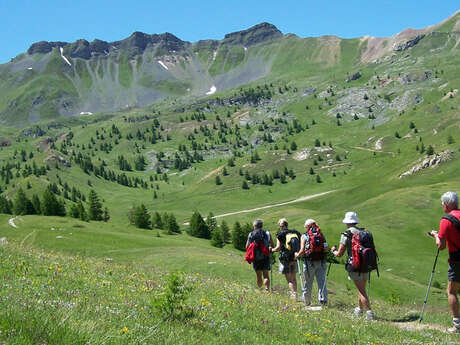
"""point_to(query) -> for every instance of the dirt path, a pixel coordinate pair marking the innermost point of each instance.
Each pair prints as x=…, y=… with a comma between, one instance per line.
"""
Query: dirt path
x=416, y=326
x=371, y=150
x=303, y=198
x=215, y=171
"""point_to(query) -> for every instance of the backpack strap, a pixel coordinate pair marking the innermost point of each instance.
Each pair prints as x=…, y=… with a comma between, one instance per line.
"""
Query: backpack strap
x=455, y=222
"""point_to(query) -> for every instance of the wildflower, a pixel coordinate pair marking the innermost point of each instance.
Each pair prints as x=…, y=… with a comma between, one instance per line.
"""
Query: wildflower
x=124, y=330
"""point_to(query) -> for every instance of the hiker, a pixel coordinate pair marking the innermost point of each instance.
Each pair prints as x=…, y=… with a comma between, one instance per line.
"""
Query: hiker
x=359, y=278
x=263, y=242
x=286, y=244
x=449, y=234
x=313, y=246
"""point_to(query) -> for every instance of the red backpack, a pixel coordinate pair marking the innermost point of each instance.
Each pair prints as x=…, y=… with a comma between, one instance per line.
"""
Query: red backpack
x=363, y=254
x=315, y=250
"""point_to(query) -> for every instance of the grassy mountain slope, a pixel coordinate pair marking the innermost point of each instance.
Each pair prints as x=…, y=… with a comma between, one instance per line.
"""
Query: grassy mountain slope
x=308, y=117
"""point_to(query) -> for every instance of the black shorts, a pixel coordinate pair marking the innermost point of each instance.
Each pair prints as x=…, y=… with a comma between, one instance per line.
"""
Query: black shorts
x=453, y=274
x=262, y=265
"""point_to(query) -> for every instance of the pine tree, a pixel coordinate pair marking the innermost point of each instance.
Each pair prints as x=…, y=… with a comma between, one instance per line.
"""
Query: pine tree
x=106, y=215
x=172, y=225
x=157, y=221
x=198, y=227
x=430, y=150
x=142, y=217
x=82, y=212
x=239, y=237
x=211, y=222
x=5, y=206
x=36, y=204
x=225, y=231
x=217, y=238
x=21, y=203
x=74, y=212
x=245, y=185
x=94, y=206
x=218, y=180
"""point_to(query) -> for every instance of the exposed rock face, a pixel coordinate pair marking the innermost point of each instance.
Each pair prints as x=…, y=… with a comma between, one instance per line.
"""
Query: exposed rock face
x=80, y=49
x=401, y=46
x=431, y=161
x=308, y=91
x=44, y=47
x=134, y=44
x=254, y=35
x=355, y=76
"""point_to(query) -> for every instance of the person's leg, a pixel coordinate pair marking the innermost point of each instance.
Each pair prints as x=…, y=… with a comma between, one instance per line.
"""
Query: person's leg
x=259, y=278
x=308, y=274
x=452, y=289
x=266, y=279
x=363, y=300
x=320, y=273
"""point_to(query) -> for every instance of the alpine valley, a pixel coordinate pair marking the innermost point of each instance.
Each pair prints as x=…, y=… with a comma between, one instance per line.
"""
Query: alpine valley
x=124, y=162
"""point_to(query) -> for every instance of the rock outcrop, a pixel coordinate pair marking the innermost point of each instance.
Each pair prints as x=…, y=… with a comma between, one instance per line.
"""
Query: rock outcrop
x=430, y=161
x=401, y=46
x=254, y=35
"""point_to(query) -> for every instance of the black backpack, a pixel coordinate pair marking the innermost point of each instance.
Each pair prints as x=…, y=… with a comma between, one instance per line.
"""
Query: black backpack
x=363, y=257
x=259, y=236
x=290, y=245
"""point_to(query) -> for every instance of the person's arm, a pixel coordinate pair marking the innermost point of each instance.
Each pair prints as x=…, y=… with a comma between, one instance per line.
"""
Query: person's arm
x=326, y=246
x=271, y=241
x=247, y=242
x=278, y=246
x=302, y=248
x=440, y=242
x=338, y=253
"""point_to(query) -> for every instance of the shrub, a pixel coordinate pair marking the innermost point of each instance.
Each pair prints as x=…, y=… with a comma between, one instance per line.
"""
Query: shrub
x=170, y=302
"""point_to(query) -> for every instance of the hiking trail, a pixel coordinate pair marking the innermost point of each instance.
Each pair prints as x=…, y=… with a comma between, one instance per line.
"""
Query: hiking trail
x=303, y=198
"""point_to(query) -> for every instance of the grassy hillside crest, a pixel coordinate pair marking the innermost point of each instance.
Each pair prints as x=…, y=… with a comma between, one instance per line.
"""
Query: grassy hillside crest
x=298, y=128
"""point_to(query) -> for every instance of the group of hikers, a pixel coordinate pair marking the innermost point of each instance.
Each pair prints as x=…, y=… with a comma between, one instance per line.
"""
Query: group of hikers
x=306, y=254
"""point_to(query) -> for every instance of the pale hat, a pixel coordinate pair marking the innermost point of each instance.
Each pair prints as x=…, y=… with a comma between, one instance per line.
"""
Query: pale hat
x=309, y=221
x=350, y=218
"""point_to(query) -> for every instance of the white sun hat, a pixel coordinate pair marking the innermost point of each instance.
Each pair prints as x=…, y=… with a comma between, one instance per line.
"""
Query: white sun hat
x=350, y=218
x=310, y=221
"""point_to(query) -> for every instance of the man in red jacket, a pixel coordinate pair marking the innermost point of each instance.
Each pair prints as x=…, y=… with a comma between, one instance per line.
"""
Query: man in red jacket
x=449, y=234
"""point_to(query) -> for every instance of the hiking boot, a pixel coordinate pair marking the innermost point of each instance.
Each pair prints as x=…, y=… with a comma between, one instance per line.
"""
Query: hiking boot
x=455, y=328
x=370, y=315
x=357, y=312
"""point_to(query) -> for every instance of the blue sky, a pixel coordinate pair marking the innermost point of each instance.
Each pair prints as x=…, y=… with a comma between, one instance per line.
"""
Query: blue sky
x=27, y=21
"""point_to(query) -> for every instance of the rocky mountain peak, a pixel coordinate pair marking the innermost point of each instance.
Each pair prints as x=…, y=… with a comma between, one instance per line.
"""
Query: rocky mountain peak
x=257, y=34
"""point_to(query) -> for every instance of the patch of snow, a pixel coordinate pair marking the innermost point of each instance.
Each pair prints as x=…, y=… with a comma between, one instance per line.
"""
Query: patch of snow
x=212, y=90
x=379, y=144
x=30, y=68
x=86, y=113
x=62, y=55
x=214, y=55
x=211, y=262
x=59, y=237
x=163, y=65
x=245, y=49
x=3, y=241
x=11, y=222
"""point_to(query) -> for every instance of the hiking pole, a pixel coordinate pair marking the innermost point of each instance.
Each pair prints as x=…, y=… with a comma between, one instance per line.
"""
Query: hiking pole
x=300, y=274
x=271, y=273
x=325, y=279
x=429, y=285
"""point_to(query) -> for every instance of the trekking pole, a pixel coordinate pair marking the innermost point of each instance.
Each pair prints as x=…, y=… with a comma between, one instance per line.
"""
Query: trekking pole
x=271, y=274
x=300, y=274
x=429, y=285
x=325, y=279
